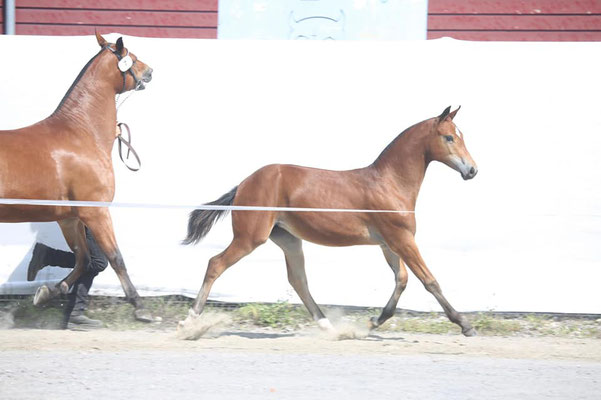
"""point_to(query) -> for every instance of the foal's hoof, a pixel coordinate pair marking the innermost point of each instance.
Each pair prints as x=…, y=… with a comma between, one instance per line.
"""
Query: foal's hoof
x=373, y=323
x=42, y=295
x=190, y=318
x=143, y=315
x=469, y=332
x=62, y=287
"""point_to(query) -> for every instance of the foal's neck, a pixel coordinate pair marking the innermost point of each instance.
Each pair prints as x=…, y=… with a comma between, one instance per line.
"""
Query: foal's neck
x=89, y=104
x=404, y=161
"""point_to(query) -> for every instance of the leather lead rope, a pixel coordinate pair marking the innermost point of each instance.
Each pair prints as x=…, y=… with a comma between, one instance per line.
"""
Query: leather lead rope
x=127, y=143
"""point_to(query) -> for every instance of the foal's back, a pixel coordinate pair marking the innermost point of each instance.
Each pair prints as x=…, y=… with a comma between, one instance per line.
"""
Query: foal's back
x=284, y=185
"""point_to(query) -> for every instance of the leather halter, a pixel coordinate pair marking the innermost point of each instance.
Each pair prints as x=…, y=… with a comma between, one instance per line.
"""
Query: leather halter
x=137, y=80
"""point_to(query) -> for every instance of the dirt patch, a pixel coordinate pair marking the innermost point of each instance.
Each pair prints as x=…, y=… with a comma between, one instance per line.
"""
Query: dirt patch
x=302, y=342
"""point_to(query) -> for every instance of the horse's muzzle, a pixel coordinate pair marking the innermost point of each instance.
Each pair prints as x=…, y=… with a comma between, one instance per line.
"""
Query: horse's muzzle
x=147, y=76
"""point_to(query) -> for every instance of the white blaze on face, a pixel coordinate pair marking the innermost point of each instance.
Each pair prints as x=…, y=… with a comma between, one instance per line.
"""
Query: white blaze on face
x=458, y=133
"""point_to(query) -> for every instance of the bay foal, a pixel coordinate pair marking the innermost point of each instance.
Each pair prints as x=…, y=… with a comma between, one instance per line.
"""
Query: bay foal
x=67, y=156
x=392, y=182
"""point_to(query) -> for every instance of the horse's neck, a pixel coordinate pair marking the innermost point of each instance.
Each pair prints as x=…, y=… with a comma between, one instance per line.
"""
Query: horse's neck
x=405, y=161
x=89, y=106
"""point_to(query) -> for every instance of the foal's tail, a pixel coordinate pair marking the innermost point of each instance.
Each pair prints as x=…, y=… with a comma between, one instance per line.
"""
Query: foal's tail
x=200, y=222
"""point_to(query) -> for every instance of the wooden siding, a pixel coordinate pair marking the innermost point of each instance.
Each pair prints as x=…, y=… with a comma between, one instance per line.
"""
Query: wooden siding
x=154, y=18
x=509, y=20
x=515, y=20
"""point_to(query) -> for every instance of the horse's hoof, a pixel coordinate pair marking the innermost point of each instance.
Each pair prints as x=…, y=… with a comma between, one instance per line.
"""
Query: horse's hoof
x=469, y=332
x=63, y=288
x=42, y=295
x=143, y=315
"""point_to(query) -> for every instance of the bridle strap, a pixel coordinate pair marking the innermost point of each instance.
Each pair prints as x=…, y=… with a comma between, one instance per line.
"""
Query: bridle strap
x=127, y=143
x=137, y=80
x=121, y=140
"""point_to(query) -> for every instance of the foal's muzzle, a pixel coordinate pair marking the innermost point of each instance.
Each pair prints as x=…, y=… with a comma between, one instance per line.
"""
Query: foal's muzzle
x=469, y=174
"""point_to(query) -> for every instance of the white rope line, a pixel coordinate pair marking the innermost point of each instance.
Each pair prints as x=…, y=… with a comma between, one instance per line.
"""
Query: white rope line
x=62, y=203
x=73, y=203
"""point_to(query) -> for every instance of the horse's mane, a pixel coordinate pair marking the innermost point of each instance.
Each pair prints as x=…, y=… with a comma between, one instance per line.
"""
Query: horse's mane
x=76, y=81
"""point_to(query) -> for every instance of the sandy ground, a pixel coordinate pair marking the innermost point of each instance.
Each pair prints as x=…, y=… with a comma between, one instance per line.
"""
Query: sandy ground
x=307, y=342
x=259, y=364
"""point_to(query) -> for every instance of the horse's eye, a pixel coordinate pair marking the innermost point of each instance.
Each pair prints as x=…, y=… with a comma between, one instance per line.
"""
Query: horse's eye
x=449, y=138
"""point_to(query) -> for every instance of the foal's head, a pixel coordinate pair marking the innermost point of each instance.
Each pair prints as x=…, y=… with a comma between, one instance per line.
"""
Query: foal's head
x=132, y=73
x=447, y=146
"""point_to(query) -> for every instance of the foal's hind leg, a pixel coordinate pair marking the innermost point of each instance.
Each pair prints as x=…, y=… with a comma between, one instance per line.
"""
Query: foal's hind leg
x=400, y=279
x=98, y=220
x=404, y=245
x=74, y=233
x=251, y=229
x=295, y=264
x=217, y=265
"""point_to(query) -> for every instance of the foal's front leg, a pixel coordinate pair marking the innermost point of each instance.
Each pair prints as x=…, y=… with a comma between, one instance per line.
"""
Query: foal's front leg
x=400, y=279
x=405, y=246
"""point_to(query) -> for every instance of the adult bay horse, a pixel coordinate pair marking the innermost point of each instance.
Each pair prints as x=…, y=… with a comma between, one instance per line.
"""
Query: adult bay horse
x=67, y=156
x=391, y=182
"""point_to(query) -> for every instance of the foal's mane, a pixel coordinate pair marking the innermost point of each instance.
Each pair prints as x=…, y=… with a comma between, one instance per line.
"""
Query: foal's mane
x=396, y=139
x=76, y=81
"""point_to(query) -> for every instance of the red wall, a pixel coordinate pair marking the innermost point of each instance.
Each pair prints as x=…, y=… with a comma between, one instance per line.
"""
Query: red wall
x=155, y=18
x=546, y=20
x=515, y=20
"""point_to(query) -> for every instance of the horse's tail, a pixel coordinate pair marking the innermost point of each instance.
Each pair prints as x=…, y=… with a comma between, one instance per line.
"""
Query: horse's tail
x=200, y=222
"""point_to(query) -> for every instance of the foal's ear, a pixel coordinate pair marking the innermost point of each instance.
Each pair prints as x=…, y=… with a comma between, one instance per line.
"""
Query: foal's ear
x=119, y=45
x=444, y=114
x=452, y=114
x=101, y=41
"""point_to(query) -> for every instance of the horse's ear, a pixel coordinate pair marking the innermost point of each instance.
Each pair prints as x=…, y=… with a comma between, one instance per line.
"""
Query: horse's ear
x=452, y=114
x=101, y=41
x=119, y=45
x=444, y=114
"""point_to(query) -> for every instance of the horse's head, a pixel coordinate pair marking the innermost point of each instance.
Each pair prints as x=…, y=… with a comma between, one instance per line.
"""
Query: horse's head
x=133, y=72
x=447, y=146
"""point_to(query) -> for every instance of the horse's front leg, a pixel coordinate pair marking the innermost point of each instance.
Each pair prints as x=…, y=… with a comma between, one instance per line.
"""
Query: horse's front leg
x=98, y=220
x=74, y=232
x=400, y=279
x=404, y=245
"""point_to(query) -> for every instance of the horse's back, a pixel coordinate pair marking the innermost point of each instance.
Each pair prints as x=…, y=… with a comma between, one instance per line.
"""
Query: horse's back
x=42, y=161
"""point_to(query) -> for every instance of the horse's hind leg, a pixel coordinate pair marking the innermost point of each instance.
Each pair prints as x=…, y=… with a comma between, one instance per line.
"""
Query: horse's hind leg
x=400, y=279
x=74, y=233
x=295, y=265
x=98, y=220
x=404, y=245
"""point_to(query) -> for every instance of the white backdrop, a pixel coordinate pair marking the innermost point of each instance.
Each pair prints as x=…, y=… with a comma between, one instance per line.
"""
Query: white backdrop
x=522, y=236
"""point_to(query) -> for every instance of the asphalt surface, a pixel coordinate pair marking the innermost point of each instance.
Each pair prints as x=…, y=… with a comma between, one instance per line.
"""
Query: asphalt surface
x=212, y=374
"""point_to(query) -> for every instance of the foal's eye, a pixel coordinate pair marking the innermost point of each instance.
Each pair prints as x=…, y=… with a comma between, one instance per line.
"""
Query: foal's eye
x=449, y=138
